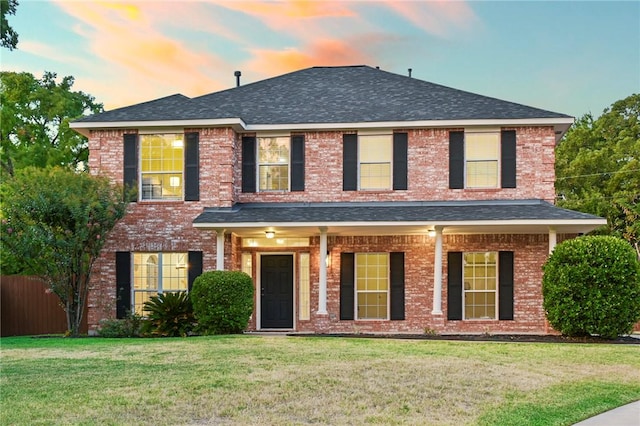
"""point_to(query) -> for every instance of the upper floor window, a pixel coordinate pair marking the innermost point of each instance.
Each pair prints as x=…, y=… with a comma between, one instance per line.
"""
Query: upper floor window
x=273, y=164
x=374, y=162
x=375, y=157
x=482, y=156
x=161, y=166
x=482, y=159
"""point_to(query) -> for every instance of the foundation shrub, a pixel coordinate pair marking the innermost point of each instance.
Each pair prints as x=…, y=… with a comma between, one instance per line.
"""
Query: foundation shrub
x=591, y=286
x=130, y=326
x=169, y=315
x=222, y=301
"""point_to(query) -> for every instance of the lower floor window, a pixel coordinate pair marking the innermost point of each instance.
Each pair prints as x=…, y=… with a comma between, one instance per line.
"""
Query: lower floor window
x=155, y=273
x=480, y=280
x=372, y=285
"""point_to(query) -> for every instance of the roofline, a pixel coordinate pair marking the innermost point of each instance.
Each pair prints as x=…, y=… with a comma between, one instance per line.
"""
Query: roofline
x=561, y=124
x=540, y=222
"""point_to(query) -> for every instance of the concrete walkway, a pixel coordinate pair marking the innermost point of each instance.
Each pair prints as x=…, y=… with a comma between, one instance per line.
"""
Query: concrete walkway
x=627, y=415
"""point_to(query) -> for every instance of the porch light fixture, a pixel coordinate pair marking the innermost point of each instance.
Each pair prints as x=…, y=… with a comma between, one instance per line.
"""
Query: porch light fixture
x=431, y=233
x=327, y=259
x=269, y=234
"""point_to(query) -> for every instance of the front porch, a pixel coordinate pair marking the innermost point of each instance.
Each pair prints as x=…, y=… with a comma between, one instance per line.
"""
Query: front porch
x=308, y=271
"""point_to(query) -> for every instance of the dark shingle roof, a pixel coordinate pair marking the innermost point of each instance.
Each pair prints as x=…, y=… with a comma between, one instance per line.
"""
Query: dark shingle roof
x=351, y=94
x=445, y=211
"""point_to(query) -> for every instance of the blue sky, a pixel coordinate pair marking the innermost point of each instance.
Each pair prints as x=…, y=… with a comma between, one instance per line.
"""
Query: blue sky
x=569, y=57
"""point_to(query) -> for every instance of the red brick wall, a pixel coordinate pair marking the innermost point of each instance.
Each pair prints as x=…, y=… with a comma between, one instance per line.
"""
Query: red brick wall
x=428, y=154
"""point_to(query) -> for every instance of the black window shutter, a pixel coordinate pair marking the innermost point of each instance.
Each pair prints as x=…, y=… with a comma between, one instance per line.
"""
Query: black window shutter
x=505, y=285
x=349, y=162
x=347, y=285
x=400, y=146
x=456, y=160
x=396, y=274
x=191, y=167
x=248, y=164
x=454, y=285
x=123, y=284
x=297, y=163
x=130, y=162
x=195, y=267
x=508, y=158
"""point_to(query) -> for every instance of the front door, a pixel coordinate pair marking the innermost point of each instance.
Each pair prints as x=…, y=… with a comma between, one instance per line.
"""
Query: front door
x=276, y=293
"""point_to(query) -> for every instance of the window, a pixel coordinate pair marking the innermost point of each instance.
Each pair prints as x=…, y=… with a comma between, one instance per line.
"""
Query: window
x=480, y=280
x=155, y=273
x=161, y=166
x=375, y=156
x=273, y=164
x=372, y=285
x=482, y=154
x=304, y=293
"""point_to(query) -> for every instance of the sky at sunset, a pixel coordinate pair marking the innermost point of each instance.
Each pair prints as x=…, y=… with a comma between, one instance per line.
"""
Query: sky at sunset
x=566, y=56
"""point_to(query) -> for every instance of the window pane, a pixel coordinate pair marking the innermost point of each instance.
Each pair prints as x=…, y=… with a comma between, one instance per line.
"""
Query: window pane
x=161, y=165
x=480, y=284
x=482, y=174
x=305, y=293
x=372, y=283
x=375, y=149
x=375, y=176
x=273, y=150
x=274, y=178
x=482, y=146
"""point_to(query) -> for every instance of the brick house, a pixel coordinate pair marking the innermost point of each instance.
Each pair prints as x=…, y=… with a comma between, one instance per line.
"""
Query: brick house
x=358, y=200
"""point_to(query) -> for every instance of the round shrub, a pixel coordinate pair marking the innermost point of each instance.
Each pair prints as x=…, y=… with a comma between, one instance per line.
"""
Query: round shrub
x=222, y=301
x=591, y=286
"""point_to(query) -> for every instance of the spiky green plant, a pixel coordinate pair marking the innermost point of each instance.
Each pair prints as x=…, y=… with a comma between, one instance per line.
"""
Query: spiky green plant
x=169, y=315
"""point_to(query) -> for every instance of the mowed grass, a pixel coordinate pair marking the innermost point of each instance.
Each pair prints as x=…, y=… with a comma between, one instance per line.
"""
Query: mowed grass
x=276, y=380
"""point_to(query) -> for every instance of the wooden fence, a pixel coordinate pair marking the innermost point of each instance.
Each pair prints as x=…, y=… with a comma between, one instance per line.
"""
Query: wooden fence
x=27, y=309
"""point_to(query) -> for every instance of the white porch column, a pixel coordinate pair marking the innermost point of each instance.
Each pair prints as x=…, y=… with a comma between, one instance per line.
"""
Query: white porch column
x=322, y=287
x=552, y=239
x=220, y=249
x=437, y=274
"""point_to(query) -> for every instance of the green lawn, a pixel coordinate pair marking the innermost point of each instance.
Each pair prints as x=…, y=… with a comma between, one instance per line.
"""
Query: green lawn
x=301, y=380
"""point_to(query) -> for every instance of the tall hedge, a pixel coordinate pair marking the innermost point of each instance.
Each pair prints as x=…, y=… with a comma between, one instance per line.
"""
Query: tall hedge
x=222, y=301
x=591, y=286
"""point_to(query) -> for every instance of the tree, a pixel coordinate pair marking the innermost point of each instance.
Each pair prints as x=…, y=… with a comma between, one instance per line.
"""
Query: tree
x=591, y=285
x=34, y=121
x=598, y=168
x=8, y=37
x=56, y=221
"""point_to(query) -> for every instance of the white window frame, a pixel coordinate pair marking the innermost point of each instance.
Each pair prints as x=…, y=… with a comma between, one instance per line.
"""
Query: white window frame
x=141, y=173
x=260, y=137
x=362, y=136
x=304, y=283
x=483, y=131
x=157, y=276
x=495, y=291
x=356, y=291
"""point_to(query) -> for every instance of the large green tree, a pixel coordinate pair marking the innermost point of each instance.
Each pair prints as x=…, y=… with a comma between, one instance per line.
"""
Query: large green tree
x=598, y=168
x=55, y=222
x=8, y=36
x=34, y=121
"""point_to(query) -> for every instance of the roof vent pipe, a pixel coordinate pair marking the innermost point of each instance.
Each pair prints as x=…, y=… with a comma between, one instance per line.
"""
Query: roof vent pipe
x=237, y=74
x=410, y=72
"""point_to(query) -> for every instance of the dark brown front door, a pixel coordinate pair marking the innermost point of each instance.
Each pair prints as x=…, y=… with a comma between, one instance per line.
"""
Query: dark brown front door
x=276, y=292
